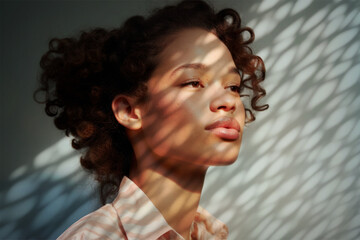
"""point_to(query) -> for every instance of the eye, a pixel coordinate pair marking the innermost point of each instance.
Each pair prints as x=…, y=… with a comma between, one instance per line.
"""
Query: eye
x=192, y=84
x=235, y=89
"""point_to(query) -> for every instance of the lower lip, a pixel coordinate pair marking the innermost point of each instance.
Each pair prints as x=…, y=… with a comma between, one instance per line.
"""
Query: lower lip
x=226, y=133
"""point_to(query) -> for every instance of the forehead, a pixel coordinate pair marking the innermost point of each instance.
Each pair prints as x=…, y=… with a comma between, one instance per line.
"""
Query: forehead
x=194, y=45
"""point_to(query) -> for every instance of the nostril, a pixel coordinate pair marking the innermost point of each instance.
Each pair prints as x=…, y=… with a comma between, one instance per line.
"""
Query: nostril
x=224, y=102
x=226, y=108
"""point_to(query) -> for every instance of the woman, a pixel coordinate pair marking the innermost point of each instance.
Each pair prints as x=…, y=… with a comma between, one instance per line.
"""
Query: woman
x=152, y=105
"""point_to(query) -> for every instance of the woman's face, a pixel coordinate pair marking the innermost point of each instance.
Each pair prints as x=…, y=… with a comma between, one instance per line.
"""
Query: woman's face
x=194, y=112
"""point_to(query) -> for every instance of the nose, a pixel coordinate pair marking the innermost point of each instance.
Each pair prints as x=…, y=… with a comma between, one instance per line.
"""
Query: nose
x=225, y=102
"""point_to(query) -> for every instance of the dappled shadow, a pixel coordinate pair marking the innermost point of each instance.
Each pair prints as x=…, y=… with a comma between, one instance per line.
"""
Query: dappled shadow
x=297, y=176
x=46, y=196
x=298, y=171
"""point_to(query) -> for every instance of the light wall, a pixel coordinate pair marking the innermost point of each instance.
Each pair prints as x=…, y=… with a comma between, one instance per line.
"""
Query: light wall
x=298, y=172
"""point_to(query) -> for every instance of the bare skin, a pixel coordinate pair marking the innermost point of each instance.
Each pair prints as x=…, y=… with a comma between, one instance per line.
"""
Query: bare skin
x=190, y=90
x=174, y=189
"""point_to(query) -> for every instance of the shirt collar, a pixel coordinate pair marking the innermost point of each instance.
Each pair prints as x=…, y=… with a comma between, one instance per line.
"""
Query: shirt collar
x=142, y=220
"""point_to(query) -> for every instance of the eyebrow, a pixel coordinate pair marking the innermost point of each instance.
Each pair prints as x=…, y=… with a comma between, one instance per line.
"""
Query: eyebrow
x=201, y=67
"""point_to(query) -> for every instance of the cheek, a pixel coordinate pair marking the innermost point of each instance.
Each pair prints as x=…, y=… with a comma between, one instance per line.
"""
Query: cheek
x=241, y=114
x=168, y=123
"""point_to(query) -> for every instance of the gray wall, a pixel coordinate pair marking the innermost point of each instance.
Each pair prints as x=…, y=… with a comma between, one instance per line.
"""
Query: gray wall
x=297, y=176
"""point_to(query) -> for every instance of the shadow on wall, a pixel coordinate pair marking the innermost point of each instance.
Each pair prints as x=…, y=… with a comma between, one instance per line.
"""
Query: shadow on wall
x=298, y=173
x=46, y=196
x=297, y=176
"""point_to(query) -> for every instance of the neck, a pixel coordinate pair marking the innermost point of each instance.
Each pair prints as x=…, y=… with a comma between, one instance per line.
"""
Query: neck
x=174, y=187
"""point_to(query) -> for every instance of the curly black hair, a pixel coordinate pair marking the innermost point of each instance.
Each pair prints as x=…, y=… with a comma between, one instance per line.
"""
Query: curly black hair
x=81, y=76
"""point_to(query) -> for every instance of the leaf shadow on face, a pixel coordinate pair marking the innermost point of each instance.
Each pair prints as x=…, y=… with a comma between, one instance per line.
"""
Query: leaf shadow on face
x=297, y=175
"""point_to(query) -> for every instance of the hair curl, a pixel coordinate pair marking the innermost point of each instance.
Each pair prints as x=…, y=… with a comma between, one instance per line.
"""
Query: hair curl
x=81, y=76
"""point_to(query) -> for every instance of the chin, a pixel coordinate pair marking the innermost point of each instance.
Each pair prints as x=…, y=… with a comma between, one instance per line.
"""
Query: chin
x=222, y=159
x=225, y=162
x=224, y=155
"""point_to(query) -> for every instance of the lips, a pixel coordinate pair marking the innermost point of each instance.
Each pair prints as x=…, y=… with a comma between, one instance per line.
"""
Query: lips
x=226, y=128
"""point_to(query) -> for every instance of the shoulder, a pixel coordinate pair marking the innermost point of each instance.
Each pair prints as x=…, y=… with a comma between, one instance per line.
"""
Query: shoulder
x=103, y=223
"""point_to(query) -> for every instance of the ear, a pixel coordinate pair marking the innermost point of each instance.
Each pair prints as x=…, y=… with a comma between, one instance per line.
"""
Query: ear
x=126, y=113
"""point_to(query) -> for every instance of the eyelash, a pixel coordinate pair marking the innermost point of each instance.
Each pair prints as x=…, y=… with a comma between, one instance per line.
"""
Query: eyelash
x=191, y=83
x=197, y=84
x=235, y=89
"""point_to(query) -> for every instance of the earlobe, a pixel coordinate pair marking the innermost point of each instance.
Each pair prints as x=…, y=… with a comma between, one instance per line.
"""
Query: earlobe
x=126, y=113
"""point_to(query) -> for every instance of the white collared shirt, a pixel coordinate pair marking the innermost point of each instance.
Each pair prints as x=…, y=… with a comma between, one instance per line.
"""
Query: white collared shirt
x=133, y=216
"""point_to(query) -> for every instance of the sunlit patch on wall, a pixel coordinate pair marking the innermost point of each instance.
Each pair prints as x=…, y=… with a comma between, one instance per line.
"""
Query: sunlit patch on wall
x=43, y=191
x=306, y=147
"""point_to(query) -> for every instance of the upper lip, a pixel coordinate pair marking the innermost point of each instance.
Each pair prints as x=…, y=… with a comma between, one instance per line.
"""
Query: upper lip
x=224, y=122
